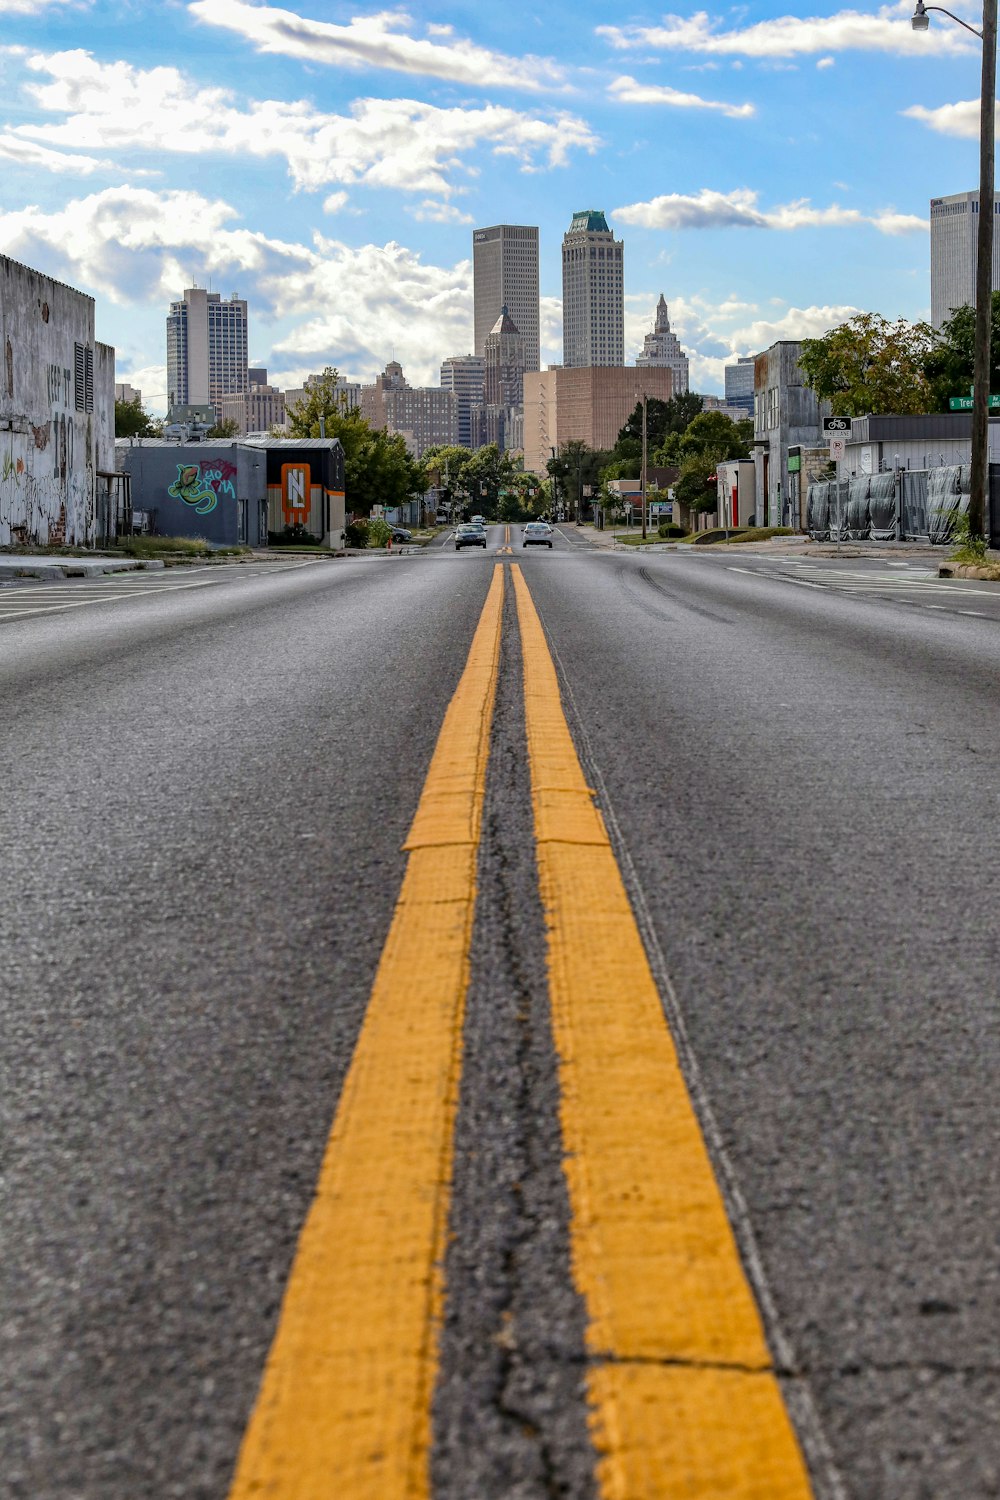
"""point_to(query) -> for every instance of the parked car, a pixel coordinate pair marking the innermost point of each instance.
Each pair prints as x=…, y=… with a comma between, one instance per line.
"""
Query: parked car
x=537, y=534
x=470, y=536
x=400, y=534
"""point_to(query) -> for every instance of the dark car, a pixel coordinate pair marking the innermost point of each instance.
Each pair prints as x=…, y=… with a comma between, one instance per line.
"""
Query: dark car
x=470, y=536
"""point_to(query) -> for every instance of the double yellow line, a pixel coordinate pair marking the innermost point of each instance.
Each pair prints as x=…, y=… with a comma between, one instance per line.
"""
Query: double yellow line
x=683, y=1398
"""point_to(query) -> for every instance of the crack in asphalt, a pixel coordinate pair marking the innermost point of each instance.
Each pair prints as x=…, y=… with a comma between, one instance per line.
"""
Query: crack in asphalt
x=510, y=1416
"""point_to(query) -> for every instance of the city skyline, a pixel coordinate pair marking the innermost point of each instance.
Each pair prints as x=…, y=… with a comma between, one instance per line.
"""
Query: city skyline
x=333, y=169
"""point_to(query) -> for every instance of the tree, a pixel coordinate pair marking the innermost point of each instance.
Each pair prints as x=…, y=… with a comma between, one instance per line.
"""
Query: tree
x=662, y=418
x=132, y=420
x=321, y=400
x=227, y=428
x=871, y=366
x=711, y=434
x=950, y=363
x=378, y=469
x=576, y=467
x=443, y=466
x=483, y=475
x=696, y=487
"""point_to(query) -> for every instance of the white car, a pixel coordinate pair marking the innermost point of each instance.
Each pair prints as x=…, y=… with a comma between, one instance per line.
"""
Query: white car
x=538, y=534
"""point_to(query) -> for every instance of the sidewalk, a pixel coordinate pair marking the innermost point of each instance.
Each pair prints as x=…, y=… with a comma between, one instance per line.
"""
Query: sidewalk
x=800, y=546
x=50, y=567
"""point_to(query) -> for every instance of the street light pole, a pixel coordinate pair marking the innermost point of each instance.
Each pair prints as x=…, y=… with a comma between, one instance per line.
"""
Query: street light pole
x=979, y=515
x=642, y=476
x=979, y=511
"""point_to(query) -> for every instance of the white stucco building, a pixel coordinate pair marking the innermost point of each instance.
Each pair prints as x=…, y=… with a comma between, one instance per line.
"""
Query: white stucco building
x=57, y=415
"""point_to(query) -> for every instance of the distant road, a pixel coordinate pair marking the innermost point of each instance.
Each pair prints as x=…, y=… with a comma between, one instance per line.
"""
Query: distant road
x=210, y=777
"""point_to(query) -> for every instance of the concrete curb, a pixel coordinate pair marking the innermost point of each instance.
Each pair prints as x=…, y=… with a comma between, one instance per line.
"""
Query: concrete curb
x=969, y=570
x=49, y=568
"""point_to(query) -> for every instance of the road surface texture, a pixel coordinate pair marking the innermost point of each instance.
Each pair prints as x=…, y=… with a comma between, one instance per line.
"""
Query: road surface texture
x=519, y=1024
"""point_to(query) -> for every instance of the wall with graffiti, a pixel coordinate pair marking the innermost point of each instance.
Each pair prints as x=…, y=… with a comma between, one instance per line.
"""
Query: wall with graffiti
x=213, y=490
x=56, y=410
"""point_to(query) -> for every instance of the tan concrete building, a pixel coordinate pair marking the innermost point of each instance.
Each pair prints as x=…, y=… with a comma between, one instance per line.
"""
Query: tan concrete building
x=424, y=416
x=592, y=405
x=260, y=410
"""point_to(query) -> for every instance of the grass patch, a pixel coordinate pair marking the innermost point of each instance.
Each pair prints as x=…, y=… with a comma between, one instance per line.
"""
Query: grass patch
x=735, y=534
x=759, y=534
x=636, y=538
x=175, y=549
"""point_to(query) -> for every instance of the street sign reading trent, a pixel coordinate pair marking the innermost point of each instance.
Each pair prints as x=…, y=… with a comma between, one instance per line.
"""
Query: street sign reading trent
x=964, y=403
x=836, y=424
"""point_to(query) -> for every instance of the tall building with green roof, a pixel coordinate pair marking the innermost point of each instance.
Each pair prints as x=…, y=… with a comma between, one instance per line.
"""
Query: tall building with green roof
x=593, y=293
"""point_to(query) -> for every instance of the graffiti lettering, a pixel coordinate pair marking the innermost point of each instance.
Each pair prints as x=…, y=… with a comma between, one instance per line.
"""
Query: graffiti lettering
x=191, y=487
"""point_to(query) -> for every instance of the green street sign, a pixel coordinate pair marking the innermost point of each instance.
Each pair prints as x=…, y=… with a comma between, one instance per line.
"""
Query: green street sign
x=964, y=403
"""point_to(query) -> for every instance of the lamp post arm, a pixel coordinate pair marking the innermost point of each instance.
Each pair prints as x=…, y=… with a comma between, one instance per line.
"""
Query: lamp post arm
x=953, y=17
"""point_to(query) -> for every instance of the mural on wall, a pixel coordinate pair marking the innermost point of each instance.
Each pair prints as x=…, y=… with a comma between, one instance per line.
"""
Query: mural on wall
x=296, y=492
x=202, y=484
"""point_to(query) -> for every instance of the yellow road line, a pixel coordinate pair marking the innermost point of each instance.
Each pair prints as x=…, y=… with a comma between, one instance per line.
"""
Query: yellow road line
x=684, y=1400
x=343, y=1412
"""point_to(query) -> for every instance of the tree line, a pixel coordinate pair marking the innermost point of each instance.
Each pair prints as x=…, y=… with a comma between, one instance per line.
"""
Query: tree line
x=870, y=366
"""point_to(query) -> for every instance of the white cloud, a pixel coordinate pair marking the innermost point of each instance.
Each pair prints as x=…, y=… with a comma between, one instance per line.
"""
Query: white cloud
x=334, y=203
x=629, y=91
x=888, y=30
x=826, y=62
x=27, y=7
x=708, y=209
x=28, y=154
x=382, y=40
x=714, y=334
x=430, y=211
x=392, y=143
x=336, y=304
x=151, y=380
x=796, y=323
x=959, y=119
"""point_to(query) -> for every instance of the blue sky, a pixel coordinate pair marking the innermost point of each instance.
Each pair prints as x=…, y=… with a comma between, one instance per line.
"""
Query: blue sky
x=768, y=167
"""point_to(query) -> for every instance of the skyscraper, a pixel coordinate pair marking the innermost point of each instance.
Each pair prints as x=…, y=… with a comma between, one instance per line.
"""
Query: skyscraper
x=500, y=419
x=954, y=225
x=464, y=374
x=593, y=293
x=206, y=349
x=739, y=383
x=505, y=274
x=662, y=349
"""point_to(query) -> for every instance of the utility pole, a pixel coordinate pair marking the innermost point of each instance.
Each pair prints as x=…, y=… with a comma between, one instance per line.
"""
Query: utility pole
x=979, y=500
x=642, y=476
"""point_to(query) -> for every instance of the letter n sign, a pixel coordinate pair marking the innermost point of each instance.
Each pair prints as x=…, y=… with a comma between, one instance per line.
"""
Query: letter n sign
x=296, y=493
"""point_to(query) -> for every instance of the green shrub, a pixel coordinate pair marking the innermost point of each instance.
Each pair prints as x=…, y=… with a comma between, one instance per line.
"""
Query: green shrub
x=968, y=548
x=142, y=545
x=670, y=529
x=296, y=535
x=379, y=532
x=356, y=533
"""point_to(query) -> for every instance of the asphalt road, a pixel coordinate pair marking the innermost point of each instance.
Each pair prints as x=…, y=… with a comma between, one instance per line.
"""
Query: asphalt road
x=209, y=778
